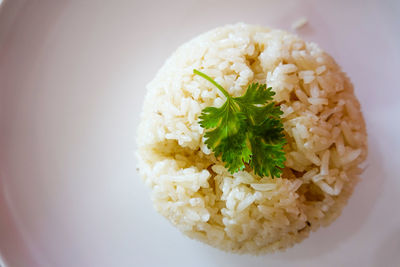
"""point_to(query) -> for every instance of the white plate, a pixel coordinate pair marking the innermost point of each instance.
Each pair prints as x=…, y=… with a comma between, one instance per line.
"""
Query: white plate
x=72, y=81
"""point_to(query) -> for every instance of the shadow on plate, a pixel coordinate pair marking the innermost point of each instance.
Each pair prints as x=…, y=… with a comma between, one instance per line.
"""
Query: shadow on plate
x=389, y=251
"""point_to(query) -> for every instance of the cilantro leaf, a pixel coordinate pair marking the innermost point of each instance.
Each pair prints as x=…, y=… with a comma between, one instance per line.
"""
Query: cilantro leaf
x=228, y=137
x=267, y=141
x=253, y=102
x=246, y=130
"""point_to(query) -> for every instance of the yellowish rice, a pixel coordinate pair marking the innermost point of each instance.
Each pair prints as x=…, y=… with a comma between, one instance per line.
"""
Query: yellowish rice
x=244, y=213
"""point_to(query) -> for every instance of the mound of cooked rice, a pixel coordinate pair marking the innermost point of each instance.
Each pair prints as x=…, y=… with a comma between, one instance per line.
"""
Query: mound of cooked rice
x=242, y=212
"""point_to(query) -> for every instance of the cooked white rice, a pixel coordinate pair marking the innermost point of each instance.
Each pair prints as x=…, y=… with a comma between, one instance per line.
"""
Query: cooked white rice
x=301, y=22
x=242, y=212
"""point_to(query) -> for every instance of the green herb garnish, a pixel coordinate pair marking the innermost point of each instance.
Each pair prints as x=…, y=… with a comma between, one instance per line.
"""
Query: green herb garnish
x=246, y=130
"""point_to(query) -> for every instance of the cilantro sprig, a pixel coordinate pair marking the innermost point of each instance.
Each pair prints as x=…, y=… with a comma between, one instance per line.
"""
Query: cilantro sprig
x=246, y=130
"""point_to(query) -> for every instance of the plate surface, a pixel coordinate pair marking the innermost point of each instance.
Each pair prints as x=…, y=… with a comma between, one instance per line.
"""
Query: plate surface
x=72, y=82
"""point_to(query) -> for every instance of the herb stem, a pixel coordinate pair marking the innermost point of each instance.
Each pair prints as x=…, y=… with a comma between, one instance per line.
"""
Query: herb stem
x=205, y=76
